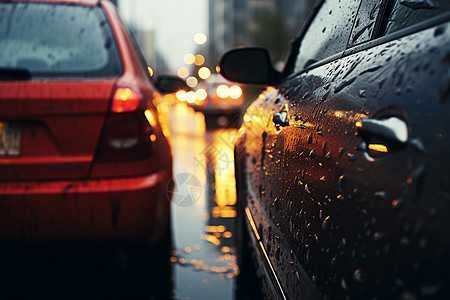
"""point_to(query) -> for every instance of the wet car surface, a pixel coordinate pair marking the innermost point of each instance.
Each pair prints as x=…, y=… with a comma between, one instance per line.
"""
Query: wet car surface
x=82, y=154
x=342, y=162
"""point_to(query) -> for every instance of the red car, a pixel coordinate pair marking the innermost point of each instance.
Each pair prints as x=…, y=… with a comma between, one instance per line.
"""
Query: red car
x=82, y=154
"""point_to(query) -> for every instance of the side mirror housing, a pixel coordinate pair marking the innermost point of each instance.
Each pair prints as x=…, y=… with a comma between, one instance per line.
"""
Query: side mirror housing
x=250, y=65
x=168, y=84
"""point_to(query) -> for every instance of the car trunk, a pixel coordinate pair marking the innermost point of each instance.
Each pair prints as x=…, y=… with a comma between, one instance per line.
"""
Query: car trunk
x=49, y=129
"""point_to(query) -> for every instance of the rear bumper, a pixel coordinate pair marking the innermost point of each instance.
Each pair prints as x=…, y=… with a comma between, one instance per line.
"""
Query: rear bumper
x=130, y=209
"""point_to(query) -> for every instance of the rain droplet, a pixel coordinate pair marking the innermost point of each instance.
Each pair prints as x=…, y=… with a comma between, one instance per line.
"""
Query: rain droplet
x=378, y=236
x=397, y=204
x=329, y=155
x=323, y=179
x=380, y=194
x=351, y=157
x=310, y=138
x=326, y=223
x=357, y=275
x=312, y=154
x=344, y=284
x=341, y=152
x=341, y=182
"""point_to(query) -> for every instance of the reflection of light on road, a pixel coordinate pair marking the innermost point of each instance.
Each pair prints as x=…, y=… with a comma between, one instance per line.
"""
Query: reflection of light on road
x=224, y=173
x=203, y=232
x=184, y=120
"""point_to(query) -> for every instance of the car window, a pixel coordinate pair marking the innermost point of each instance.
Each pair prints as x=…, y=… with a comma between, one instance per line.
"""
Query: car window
x=328, y=32
x=57, y=40
x=406, y=13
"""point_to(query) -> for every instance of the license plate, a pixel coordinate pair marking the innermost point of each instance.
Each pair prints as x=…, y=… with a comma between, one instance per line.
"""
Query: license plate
x=10, y=138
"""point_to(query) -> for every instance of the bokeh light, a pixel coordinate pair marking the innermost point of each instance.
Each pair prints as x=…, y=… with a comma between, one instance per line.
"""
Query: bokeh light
x=191, y=97
x=200, y=38
x=189, y=58
x=181, y=95
x=199, y=60
x=223, y=91
x=204, y=73
x=150, y=71
x=192, y=81
x=183, y=72
x=201, y=94
x=235, y=92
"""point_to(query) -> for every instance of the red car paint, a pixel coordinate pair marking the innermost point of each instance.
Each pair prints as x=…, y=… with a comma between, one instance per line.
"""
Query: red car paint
x=64, y=185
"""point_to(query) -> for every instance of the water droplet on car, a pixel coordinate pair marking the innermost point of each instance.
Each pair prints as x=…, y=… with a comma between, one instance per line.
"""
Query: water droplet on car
x=341, y=182
x=381, y=194
x=312, y=154
x=328, y=156
x=310, y=138
x=397, y=204
x=341, y=152
x=326, y=223
x=351, y=157
x=344, y=284
x=276, y=203
x=378, y=236
x=357, y=275
x=323, y=179
x=307, y=189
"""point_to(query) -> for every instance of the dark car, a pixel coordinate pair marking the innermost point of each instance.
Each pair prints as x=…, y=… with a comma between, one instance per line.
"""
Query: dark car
x=219, y=100
x=342, y=163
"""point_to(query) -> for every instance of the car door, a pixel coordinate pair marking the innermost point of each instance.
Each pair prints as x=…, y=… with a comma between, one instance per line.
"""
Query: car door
x=352, y=177
x=280, y=135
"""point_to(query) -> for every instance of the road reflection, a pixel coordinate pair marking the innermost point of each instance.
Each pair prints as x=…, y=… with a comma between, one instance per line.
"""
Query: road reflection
x=205, y=264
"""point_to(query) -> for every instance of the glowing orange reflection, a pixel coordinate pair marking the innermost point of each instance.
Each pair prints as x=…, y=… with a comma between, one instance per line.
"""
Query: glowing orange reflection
x=378, y=148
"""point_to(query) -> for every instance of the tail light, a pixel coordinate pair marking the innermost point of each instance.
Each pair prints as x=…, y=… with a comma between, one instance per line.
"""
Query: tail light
x=127, y=133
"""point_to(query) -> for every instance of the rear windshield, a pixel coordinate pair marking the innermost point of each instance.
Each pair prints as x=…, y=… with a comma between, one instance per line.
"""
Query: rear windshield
x=57, y=40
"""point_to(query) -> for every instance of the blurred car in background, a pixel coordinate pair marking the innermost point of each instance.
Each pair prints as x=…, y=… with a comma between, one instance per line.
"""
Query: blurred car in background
x=218, y=99
x=342, y=162
x=83, y=157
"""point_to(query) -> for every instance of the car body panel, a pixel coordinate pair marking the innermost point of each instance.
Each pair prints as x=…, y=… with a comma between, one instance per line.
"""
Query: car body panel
x=104, y=210
x=60, y=187
x=360, y=223
x=54, y=117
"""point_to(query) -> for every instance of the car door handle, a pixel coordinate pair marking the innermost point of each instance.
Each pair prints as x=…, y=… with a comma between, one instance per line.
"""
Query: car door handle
x=281, y=119
x=392, y=131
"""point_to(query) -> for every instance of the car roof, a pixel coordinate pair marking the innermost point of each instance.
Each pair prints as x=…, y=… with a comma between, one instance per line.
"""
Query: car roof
x=81, y=2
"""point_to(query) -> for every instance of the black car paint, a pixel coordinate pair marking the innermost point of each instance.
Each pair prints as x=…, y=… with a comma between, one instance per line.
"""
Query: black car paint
x=329, y=211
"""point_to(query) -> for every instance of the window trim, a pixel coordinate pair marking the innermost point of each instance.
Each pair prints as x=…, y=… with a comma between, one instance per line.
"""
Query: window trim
x=428, y=24
x=288, y=71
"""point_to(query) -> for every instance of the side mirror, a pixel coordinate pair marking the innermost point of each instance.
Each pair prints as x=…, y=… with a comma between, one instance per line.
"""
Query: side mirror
x=168, y=84
x=249, y=65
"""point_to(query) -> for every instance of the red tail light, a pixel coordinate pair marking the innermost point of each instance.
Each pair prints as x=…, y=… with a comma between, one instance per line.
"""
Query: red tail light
x=124, y=100
x=127, y=133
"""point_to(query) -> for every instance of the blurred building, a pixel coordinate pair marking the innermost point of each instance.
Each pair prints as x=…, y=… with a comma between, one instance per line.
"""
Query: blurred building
x=269, y=23
x=146, y=40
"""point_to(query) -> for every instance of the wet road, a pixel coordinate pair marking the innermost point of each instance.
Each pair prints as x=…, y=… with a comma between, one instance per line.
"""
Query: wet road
x=205, y=259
